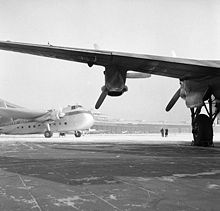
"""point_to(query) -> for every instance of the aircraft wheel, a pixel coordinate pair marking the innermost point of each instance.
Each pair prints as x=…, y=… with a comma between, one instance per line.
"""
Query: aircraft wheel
x=62, y=134
x=78, y=134
x=202, y=131
x=48, y=134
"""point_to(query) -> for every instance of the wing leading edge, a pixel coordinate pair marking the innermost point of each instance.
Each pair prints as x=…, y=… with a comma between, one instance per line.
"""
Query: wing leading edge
x=158, y=65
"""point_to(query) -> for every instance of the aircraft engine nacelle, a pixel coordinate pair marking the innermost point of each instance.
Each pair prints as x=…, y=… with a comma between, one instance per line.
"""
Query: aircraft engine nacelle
x=51, y=115
x=115, y=78
x=114, y=93
x=54, y=115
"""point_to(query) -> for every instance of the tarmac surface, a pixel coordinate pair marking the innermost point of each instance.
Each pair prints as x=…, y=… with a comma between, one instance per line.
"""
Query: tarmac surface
x=106, y=173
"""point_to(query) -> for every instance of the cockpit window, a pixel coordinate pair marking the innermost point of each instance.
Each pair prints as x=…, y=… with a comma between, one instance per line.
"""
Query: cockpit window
x=75, y=107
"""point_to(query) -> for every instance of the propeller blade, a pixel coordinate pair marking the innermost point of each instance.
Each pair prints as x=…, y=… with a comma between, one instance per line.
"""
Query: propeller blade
x=101, y=99
x=61, y=114
x=173, y=100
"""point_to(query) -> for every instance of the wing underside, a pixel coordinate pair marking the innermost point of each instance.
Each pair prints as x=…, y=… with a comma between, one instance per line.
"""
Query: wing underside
x=158, y=65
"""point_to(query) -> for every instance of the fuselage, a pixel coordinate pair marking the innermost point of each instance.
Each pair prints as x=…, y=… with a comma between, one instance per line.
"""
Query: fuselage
x=74, y=120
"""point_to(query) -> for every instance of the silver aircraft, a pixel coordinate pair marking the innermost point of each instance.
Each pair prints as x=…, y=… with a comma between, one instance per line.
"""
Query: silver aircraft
x=16, y=120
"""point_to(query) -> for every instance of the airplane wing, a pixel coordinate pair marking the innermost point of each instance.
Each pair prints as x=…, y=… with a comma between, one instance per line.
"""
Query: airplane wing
x=35, y=115
x=158, y=65
x=20, y=113
x=10, y=111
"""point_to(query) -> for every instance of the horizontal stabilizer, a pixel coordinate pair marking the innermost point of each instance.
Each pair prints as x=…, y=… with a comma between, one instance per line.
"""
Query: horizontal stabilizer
x=2, y=104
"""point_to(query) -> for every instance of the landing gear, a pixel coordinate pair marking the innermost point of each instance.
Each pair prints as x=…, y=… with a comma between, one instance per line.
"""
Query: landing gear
x=78, y=133
x=48, y=134
x=61, y=134
x=202, y=131
x=202, y=124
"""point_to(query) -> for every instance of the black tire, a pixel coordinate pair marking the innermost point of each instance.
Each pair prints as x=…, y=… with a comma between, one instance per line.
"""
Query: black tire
x=48, y=134
x=78, y=134
x=62, y=134
x=202, y=131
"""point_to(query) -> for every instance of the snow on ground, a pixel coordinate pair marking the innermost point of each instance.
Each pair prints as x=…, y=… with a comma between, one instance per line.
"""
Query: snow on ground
x=137, y=138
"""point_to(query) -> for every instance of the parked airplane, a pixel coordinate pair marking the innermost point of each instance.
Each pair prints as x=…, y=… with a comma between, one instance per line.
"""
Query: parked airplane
x=199, y=79
x=16, y=120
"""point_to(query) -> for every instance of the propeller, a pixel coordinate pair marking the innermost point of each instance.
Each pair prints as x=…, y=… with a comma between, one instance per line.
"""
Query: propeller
x=101, y=98
x=61, y=114
x=173, y=100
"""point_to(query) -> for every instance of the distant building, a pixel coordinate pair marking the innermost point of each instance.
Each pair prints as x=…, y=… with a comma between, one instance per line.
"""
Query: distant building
x=106, y=125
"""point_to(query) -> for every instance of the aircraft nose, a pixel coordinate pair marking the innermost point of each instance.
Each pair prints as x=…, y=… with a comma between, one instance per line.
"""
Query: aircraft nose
x=87, y=120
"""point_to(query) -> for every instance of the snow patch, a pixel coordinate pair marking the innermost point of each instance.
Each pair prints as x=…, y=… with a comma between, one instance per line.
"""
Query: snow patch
x=213, y=186
x=113, y=197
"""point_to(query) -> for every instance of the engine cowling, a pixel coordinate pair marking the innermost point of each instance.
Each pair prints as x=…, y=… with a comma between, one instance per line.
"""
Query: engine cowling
x=115, y=78
x=51, y=115
x=54, y=115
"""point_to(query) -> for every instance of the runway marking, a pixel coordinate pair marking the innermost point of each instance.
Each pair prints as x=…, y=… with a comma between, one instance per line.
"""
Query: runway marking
x=144, y=189
x=51, y=172
x=33, y=198
x=26, y=145
x=40, y=146
x=113, y=206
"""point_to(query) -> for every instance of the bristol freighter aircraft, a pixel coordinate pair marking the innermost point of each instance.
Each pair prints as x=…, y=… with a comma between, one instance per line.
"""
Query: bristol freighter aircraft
x=199, y=79
x=16, y=120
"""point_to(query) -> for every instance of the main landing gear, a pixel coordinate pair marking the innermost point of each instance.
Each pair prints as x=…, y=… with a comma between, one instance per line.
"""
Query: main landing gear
x=48, y=134
x=78, y=133
x=202, y=128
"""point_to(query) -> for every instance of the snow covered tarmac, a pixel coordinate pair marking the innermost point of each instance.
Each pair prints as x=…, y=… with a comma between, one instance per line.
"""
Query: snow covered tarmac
x=178, y=138
x=101, y=138
x=108, y=172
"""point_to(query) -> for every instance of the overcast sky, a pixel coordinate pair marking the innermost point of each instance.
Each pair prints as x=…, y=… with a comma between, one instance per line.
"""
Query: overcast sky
x=191, y=28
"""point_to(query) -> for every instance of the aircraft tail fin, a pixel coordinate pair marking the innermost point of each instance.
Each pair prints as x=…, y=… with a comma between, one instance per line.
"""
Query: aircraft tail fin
x=3, y=104
x=6, y=104
x=173, y=54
